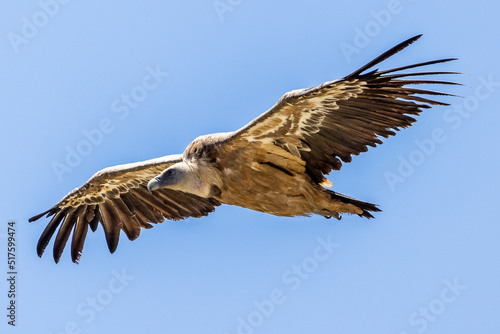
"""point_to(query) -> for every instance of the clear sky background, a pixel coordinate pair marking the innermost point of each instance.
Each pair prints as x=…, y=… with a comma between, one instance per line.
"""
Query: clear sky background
x=430, y=262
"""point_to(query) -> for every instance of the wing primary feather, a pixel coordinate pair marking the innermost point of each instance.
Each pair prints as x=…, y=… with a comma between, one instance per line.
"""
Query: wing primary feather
x=414, y=74
x=63, y=234
x=49, y=213
x=425, y=63
x=420, y=82
x=48, y=232
x=384, y=56
x=79, y=234
x=95, y=221
x=409, y=91
x=423, y=99
x=111, y=224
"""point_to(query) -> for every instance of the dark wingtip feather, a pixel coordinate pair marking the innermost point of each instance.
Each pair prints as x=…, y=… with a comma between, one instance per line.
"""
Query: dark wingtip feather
x=95, y=221
x=425, y=63
x=111, y=225
x=76, y=255
x=385, y=55
x=48, y=232
x=63, y=234
x=112, y=240
x=79, y=234
x=49, y=213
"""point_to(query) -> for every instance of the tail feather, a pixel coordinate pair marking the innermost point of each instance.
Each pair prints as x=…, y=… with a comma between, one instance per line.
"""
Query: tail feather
x=365, y=206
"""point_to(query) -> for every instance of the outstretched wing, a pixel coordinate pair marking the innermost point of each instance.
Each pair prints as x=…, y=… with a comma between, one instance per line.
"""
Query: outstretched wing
x=117, y=197
x=329, y=123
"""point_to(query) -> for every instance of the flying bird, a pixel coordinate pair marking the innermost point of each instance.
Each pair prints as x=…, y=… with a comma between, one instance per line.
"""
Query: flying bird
x=275, y=164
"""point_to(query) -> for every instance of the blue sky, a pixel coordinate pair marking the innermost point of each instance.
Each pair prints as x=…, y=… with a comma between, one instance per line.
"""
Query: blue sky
x=427, y=264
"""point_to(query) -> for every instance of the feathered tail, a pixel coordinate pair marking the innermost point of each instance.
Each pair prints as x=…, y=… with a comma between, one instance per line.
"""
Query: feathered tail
x=365, y=206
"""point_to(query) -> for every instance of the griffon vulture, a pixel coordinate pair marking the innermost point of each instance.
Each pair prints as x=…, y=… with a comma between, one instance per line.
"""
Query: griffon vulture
x=275, y=164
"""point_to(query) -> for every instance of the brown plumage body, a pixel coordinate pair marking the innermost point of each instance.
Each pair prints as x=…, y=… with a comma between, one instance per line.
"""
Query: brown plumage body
x=265, y=178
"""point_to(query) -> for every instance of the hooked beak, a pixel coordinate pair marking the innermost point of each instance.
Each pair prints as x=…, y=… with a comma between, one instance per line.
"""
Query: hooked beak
x=154, y=184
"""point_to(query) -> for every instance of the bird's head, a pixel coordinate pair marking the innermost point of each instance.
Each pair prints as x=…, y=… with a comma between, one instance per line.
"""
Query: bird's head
x=175, y=177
